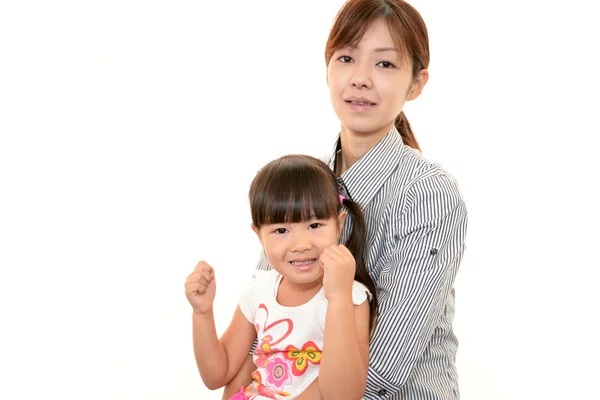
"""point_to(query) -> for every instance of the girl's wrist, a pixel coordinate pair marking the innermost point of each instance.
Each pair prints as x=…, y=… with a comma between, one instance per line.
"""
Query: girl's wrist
x=342, y=300
x=203, y=315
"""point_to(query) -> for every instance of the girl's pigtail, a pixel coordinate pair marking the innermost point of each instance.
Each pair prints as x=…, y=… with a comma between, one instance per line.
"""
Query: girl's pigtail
x=356, y=243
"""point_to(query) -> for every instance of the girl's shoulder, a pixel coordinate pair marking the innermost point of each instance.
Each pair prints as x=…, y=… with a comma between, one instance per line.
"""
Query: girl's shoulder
x=262, y=279
x=360, y=293
x=253, y=291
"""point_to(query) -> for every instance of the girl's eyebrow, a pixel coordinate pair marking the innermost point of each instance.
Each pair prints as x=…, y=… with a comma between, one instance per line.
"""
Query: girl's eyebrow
x=382, y=49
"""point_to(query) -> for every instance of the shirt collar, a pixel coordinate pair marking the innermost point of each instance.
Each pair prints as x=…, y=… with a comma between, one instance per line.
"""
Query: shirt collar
x=364, y=179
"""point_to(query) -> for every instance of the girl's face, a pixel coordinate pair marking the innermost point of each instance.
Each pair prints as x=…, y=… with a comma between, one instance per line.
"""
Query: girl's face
x=370, y=83
x=293, y=249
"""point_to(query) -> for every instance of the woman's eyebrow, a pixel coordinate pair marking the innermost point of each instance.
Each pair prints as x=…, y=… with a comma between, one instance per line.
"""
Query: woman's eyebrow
x=376, y=49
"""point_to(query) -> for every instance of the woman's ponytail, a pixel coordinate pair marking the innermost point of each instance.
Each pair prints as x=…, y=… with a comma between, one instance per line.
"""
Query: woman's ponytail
x=406, y=132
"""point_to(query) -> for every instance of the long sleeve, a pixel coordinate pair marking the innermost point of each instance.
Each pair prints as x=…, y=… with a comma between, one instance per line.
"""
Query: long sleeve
x=415, y=282
x=263, y=263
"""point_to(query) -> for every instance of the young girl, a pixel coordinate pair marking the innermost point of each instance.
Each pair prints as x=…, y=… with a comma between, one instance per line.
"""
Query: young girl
x=313, y=312
x=377, y=56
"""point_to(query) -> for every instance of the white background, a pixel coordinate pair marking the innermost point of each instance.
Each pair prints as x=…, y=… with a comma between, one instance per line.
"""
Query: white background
x=130, y=132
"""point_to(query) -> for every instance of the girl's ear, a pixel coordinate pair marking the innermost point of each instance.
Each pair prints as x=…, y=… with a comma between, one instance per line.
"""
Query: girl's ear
x=341, y=221
x=257, y=231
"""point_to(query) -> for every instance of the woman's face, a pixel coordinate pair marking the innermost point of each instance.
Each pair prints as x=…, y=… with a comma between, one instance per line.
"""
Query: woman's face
x=370, y=83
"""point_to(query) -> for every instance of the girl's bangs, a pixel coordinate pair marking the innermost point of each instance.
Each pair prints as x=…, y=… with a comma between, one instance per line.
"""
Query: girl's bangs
x=290, y=193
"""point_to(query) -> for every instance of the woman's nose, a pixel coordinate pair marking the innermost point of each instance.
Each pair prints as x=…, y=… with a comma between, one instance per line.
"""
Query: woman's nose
x=361, y=77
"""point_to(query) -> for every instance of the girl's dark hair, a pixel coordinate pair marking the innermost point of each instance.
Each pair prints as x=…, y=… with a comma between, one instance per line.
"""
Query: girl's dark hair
x=297, y=188
x=408, y=32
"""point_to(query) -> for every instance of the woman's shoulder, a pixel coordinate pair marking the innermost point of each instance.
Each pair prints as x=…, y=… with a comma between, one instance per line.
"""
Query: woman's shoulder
x=419, y=179
x=417, y=167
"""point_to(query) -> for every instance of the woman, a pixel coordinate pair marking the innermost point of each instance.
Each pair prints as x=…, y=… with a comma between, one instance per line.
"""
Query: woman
x=377, y=56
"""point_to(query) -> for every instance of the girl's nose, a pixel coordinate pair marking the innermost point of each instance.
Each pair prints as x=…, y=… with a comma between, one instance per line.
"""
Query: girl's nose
x=301, y=242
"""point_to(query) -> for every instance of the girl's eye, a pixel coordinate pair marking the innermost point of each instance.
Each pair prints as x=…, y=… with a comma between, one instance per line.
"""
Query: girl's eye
x=345, y=59
x=280, y=231
x=386, y=64
x=314, y=226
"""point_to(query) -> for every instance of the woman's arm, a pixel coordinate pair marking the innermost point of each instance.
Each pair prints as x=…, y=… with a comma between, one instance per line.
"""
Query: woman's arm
x=345, y=362
x=417, y=279
x=219, y=360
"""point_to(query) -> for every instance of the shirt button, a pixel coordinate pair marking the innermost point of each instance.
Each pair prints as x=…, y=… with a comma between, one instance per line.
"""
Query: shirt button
x=382, y=392
x=433, y=251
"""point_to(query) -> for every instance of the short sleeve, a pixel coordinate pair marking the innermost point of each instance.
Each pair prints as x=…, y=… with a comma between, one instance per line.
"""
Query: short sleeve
x=360, y=293
x=248, y=295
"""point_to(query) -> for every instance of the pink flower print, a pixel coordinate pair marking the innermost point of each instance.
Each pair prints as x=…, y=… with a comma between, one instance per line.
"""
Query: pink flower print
x=257, y=388
x=278, y=372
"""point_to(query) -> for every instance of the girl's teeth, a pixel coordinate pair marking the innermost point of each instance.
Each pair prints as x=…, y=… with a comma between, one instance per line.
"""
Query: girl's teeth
x=302, y=262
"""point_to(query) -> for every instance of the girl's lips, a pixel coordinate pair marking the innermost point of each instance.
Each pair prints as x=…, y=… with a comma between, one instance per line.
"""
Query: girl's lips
x=303, y=265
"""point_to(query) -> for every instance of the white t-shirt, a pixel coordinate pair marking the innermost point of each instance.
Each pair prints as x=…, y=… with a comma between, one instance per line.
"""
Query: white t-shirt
x=290, y=339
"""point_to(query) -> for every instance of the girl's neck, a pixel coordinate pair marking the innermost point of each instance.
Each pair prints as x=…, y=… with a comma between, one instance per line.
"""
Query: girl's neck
x=356, y=144
x=291, y=294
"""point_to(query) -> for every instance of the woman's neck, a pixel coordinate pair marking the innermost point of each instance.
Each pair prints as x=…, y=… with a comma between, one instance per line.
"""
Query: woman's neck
x=356, y=144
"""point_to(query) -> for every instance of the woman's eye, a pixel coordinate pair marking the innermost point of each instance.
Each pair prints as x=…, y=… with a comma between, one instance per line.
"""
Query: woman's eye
x=314, y=226
x=386, y=64
x=280, y=231
x=345, y=59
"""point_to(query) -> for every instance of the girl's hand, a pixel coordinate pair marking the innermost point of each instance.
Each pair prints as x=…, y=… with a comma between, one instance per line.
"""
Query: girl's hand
x=200, y=288
x=339, y=268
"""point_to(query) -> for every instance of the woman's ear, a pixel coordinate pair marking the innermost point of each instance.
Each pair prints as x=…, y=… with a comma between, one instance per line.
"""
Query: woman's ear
x=418, y=85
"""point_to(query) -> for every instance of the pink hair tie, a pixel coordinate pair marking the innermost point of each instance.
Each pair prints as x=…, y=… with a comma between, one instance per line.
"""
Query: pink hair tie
x=341, y=199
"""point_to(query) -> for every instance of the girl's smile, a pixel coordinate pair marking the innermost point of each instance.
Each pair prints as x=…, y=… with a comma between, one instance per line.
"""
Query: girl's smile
x=304, y=264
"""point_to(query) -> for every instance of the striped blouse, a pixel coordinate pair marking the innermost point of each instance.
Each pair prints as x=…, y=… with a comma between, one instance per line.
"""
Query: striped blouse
x=416, y=226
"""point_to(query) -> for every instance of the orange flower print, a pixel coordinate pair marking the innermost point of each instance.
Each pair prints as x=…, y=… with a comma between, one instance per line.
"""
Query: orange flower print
x=310, y=353
x=263, y=351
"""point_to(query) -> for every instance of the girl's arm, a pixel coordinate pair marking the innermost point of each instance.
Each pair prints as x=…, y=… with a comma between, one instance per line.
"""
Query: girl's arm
x=345, y=361
x=219, y=360
x=312, y=392
x=242, y=378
